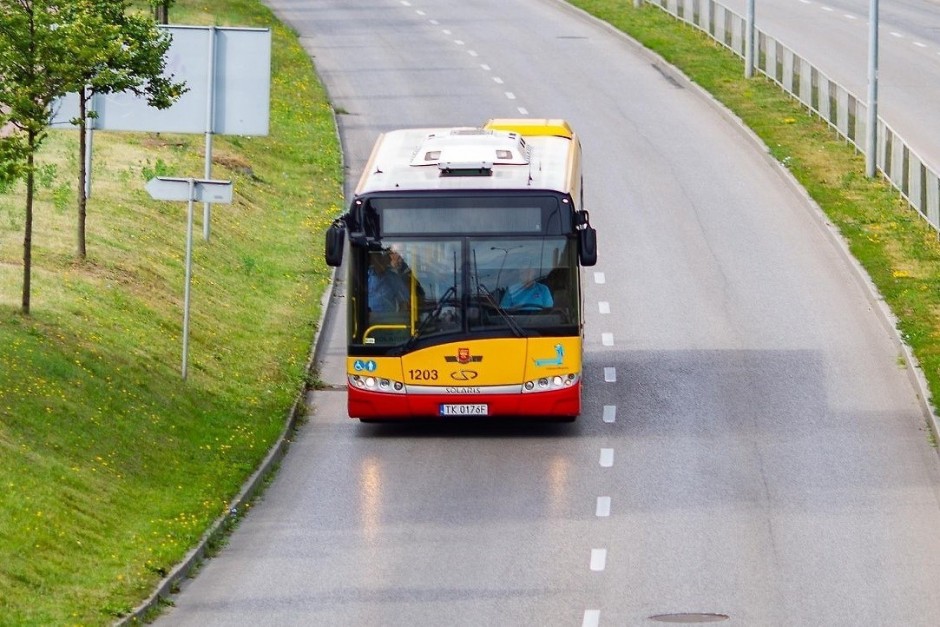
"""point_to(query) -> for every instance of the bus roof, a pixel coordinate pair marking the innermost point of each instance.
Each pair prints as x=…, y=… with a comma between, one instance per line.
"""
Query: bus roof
x=505, y=154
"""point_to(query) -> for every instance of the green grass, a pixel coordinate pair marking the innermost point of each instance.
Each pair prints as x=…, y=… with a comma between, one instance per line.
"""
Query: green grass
x=112, y=467
x=899, y=250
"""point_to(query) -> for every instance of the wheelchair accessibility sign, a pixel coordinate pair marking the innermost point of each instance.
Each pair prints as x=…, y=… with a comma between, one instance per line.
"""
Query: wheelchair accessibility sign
x=366, y=365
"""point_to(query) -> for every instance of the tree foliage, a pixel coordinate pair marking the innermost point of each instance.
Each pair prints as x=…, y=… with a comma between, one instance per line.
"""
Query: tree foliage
x=124, y=52
x=37, y=60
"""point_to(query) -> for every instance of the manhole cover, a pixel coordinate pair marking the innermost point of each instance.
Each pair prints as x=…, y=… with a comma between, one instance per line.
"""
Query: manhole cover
x=689, y=618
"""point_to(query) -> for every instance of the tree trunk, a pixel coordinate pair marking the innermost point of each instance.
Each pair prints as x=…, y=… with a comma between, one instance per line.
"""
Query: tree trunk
x=28, y=235
x=161, y=13
x=82, y=174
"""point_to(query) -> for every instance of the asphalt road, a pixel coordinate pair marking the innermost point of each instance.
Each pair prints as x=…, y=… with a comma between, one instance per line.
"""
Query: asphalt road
x=751, y=445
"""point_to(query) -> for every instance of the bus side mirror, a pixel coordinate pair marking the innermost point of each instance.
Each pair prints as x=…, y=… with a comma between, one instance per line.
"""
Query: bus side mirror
x=335, y=241
x=587, y=246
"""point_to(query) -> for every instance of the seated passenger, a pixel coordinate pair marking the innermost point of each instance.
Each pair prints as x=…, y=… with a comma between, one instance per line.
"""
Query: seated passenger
x=527, y=293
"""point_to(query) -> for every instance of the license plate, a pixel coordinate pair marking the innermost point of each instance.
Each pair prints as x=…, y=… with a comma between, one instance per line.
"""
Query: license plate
x=465, y=409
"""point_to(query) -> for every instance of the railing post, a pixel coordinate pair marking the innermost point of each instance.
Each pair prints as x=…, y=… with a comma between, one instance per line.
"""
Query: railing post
x=871, y=140
x=749, y=41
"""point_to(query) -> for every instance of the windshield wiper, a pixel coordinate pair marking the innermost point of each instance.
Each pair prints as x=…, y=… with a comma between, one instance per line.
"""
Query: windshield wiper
x=449, y=297
x=510, y=322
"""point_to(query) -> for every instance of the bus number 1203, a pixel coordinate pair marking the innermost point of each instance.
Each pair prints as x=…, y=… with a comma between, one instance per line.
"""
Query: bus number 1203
x=423, y=375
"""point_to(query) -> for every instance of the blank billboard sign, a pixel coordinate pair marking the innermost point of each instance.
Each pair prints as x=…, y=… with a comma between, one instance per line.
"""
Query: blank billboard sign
x=239, y=85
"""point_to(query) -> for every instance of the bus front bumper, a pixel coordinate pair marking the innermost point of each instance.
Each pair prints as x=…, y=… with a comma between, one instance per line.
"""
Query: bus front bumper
x=548, y=405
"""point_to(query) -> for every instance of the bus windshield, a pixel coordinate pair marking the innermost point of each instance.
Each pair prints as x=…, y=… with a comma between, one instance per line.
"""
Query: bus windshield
x=418, y=291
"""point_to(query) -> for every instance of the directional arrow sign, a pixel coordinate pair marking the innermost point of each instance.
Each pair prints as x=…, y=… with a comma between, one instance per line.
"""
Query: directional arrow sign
x=169, y=188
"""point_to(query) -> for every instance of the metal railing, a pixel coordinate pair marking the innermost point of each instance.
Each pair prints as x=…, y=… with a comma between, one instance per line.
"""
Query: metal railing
x=917, y=181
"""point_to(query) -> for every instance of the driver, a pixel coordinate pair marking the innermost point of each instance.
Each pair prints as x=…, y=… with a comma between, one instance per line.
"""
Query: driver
x=527, y=293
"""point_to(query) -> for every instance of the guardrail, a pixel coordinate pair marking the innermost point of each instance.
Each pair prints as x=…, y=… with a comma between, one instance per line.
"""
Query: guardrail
x=917, y=181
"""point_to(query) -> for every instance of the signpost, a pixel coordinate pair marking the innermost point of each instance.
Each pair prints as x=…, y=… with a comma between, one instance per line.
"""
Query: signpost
x=190, y=190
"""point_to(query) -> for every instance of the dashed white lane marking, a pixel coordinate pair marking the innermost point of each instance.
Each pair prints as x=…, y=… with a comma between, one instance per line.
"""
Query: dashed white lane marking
x=447, y=32
x=459, y=42
x=420, y=12
x=895, y=33
x=434, y=22
x=607, y=339
x=603, y=307
x=607, y=457
x=603, y=507
x=472, y=53
x=522, y=110
x=485, y=67
x=510, y=95
x=920, y=44
x=610, y=374
x=599, y=278
x=828, y=9
x=592, y=618
x=405, y=3
x=849, y=17
x=497, y=80
x=610, y=413
x=598, y=559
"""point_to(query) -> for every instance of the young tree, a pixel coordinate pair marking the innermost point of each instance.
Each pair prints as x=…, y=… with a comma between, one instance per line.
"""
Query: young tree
x=38, y=50
x=125, y=53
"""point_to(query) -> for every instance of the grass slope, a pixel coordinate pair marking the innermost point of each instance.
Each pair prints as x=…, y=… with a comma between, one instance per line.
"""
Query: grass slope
x=111, y=466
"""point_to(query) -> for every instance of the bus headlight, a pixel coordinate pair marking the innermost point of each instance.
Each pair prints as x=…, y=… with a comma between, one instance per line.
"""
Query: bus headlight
x=376, y=384
x=547, y=384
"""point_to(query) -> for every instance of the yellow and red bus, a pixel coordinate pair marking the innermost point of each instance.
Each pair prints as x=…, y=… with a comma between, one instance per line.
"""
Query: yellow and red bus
x=463, y=282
